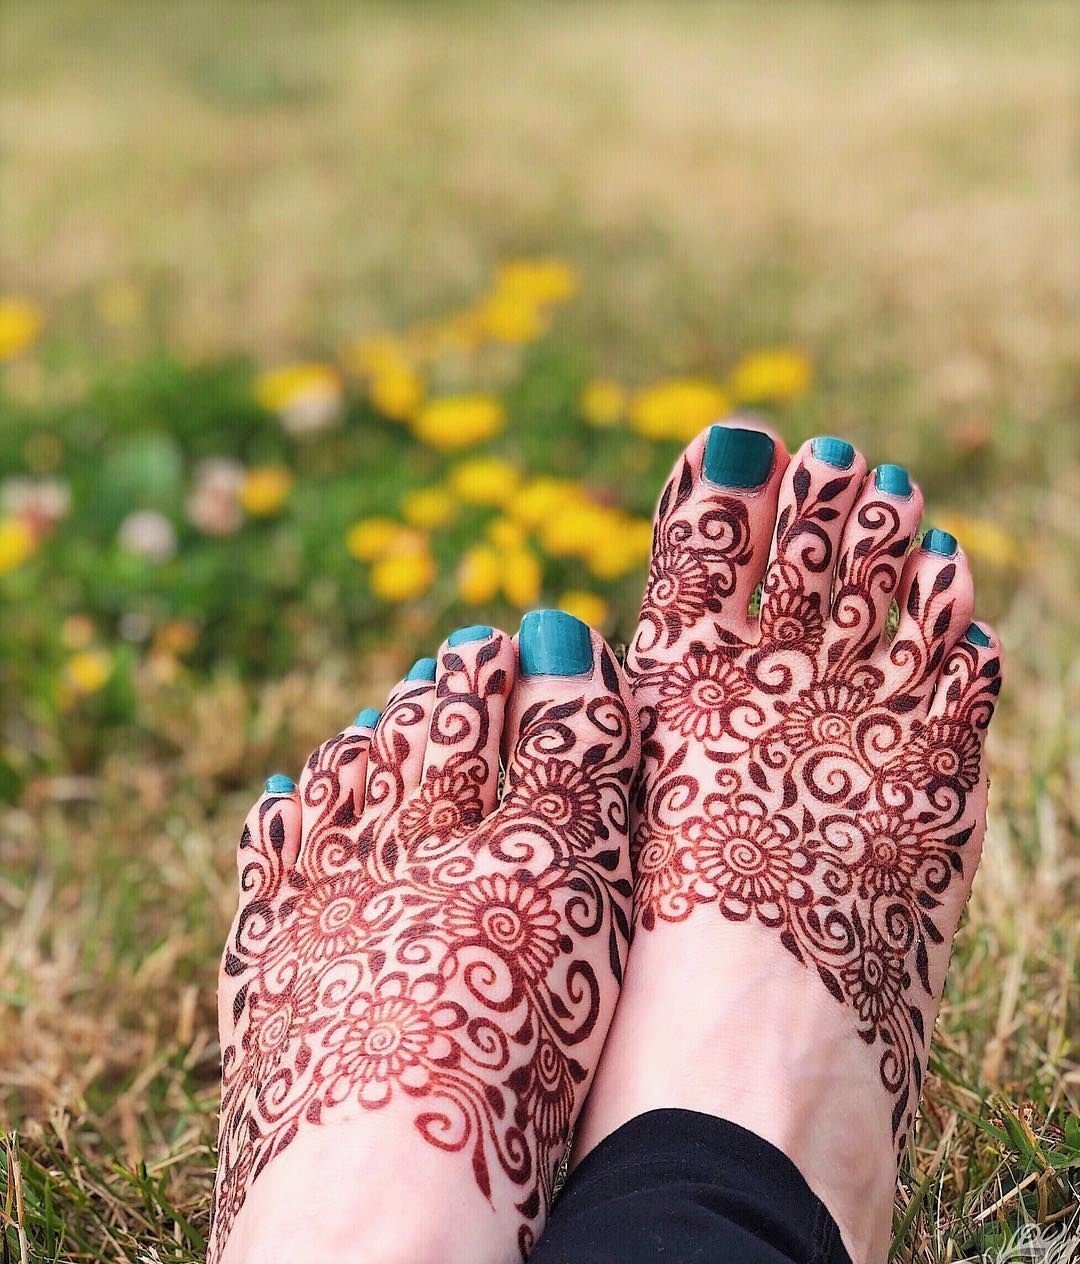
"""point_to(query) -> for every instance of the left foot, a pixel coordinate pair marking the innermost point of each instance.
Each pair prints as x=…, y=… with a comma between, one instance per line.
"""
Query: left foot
x=809, y=813
x=426, y=959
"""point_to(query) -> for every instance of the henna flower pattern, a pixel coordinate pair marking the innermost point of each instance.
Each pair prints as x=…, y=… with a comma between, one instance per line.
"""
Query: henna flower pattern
x=698, y=696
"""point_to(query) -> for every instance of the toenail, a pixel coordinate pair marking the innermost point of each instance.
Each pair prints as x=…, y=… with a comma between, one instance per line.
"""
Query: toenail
x=737, y=458
x=837, y=452
x=278, y=783
x=554, y=643
x=893, y=480
x=464, y=636
x=422, y=669
x=943, y=543
x=976, y=636
x=367, y=719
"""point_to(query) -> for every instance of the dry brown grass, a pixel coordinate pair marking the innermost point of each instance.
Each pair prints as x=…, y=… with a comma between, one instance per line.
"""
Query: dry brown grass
x=893, y=185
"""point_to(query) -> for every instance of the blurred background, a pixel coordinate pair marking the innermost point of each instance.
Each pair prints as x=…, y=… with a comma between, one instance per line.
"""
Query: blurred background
x=326, y=328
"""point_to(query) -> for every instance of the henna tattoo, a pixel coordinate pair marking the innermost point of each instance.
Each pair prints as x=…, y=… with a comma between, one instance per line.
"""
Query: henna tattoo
x=419, y=950
x=787, y=782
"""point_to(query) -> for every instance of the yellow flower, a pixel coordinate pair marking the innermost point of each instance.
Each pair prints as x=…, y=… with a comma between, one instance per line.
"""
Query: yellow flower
x=541, y=499
x=509, y=316
x=368, y=357
x=459, y=421
x=17, y=544
x=586, y=606
x=603, y=403
x=575, y=529
x=543, y=281
x=371, y=537
x=20, y=324
x=485, y=480
x=403, y=574
x=478, y=575
x=428, y=507
x=981, y=538
x=778, y=373
x=505, y=534
x=397, y=393
x=307, y=397
x=264, y=490
x=522, y=578
x=679, y=408
x=623, y=546
x=88, y=671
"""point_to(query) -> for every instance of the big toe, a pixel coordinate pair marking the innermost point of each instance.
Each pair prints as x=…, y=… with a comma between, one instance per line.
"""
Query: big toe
x=713, y=527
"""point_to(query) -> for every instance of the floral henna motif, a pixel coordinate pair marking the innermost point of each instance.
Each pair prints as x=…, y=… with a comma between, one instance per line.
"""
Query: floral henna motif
x=831, y=816
x=421, y=952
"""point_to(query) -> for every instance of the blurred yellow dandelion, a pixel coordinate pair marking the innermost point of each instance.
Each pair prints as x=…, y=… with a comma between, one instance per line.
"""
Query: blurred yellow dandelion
x=479, y=575
x=603, y=403
x=774, y=374
x=575, y=529
x=459, y=421
x=485, y=480
x=981, y=538
x=264, y=490
x=428, y=507
x=397, y=393
x=403, y=574
x=541, y=499
x=369, y=538
x=544, y=281
x=587, y=606
x=678, y=409
x=308, y=397
x=505, y=534
x=88, y=671
x=522, y=578
x=20, y=324
x=508, y=316
x=17, y=544
x=623, y=546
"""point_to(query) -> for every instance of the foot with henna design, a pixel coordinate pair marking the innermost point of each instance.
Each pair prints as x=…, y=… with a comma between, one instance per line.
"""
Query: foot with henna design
x=809, y=813
x=426, y=958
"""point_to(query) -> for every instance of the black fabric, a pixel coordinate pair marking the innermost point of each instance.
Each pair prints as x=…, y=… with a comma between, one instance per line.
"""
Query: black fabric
x=680, y=1187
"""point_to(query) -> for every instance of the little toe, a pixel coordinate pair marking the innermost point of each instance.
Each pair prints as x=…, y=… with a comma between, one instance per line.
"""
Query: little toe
x=936, y=599
x=713, y=526
x=270, y=839
x=476, y=670
x=817, y=493
x=571, y=743
x=970, y=680
x=876, y=539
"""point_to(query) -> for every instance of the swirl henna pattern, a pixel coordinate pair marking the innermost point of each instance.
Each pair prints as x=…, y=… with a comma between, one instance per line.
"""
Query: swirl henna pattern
x=802, y=782
x=427, y=948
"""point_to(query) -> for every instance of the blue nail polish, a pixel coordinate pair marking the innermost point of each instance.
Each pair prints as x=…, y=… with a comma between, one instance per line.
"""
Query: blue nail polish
x=837, y=452
x=941, y=543
x=367, y=719
x=737, y=458
x=976, y=636
x=278, y=783
x=464, y=636
x=422, y=669
x=893, y=480
x=554, y=643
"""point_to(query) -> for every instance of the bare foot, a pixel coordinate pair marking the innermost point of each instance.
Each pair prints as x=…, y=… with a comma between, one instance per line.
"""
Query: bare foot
x=425, y=962
x=809, y=815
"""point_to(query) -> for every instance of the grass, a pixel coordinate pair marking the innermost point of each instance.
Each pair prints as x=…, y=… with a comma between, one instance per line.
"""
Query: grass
x=892, y=187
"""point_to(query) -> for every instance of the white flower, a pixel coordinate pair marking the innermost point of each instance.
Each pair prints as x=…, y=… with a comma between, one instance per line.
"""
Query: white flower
x=149, y=534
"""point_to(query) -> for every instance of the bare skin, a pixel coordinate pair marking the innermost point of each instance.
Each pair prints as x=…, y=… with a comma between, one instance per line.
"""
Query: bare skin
x=807, y=820
x=424, y=966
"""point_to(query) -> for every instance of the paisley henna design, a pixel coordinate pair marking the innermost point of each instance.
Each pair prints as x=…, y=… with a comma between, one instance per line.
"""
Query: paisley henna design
x=838, y=810
x=422, y=950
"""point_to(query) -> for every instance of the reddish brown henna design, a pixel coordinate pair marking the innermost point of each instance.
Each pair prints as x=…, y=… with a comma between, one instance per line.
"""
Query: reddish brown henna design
x=419, y=950
x=833, y=811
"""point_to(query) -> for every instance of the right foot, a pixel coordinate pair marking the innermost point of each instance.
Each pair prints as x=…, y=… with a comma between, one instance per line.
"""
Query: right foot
x=809, y=814
x=426, y=958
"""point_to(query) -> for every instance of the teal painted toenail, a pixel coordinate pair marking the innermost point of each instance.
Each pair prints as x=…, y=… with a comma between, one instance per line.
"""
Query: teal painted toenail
x=554, y=643
x=832, y=451
x=943, y=543
x=737, y=458
x=464, y=636
x=893, y=480
x=976, y=636
x=278, y=783
x=367, y=719
x=422, y=669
